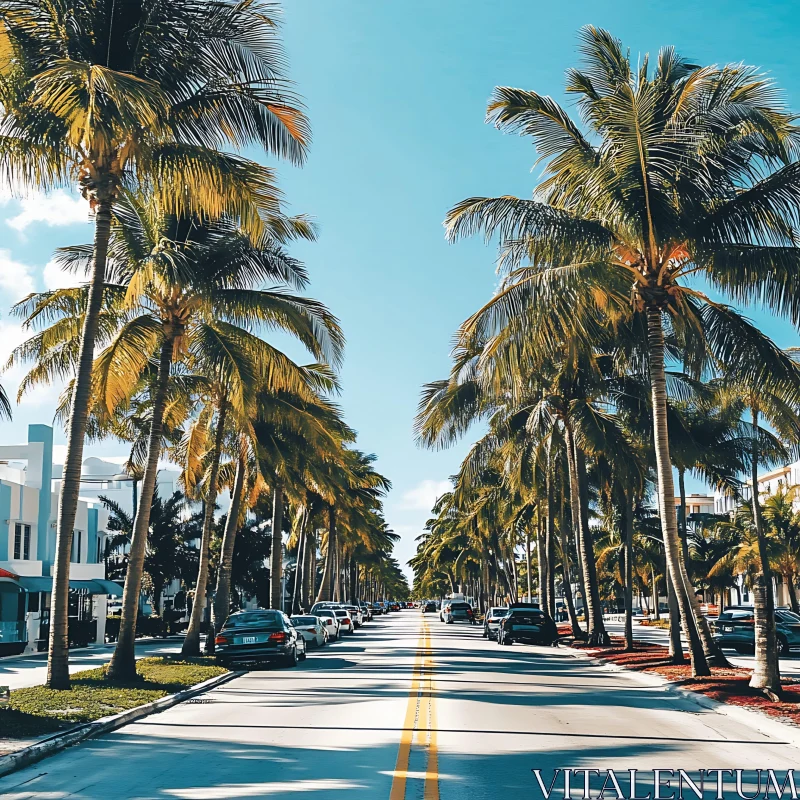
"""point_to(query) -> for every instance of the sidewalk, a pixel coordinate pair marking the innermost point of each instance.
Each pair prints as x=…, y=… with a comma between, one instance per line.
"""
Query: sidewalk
x=18, y=672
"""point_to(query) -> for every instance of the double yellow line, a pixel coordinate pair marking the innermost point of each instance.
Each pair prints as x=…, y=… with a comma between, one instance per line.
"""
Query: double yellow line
x=419, y=727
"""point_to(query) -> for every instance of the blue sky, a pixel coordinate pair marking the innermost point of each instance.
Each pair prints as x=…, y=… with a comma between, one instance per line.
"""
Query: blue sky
x=396, y=93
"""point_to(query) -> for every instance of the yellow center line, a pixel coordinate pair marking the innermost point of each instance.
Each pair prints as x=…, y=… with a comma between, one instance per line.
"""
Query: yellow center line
x=419, y=725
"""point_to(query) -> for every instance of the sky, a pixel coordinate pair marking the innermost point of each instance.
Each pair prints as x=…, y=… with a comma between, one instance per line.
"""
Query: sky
x=396, y=94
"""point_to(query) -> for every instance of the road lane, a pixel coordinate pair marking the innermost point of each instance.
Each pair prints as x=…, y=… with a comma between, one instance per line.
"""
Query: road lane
x=475, y=718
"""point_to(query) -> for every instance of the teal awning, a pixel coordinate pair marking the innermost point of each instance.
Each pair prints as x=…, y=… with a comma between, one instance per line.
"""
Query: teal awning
x=107, y=587
x=36, y=583
x=44, y=583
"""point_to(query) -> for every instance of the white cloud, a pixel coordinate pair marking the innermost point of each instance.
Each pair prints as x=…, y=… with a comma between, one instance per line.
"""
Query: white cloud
x=55, y=277
x=424, y=495
x=56, y=209
x=16, y=278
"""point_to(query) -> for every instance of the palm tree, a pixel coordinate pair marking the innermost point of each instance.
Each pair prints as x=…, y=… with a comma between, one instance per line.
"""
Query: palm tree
x=110, y=95
x=685, y=170
x=187, y=299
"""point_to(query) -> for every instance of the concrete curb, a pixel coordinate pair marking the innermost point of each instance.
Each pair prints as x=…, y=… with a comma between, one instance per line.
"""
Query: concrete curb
x=59, y=741
x=770, y=726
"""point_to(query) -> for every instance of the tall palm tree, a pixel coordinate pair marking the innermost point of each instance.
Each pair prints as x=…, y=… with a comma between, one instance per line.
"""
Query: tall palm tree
x=187, y=300
x=110, y=94
x=684, y=170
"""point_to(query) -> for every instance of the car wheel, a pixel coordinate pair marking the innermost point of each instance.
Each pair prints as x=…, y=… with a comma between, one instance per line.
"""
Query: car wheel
x=291, y=658
x=508, y=641
x=449, y=621
x=302, y=656
x=783, y=646
x=743, y=649
x=485, y=634
x=221, y=662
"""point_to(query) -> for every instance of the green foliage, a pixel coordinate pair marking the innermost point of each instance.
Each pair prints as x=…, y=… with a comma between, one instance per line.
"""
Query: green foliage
x=38, y=710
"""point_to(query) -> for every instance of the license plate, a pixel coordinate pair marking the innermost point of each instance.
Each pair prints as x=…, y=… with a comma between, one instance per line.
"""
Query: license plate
x=727, y=628
x=248, y=639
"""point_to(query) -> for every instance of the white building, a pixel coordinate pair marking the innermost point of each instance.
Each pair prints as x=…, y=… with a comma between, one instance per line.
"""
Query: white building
x=28, y=519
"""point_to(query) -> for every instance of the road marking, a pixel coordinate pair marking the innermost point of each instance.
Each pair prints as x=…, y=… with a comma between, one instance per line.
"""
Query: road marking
x=419, y=726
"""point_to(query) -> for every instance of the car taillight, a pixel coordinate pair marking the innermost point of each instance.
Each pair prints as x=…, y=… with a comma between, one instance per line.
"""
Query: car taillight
x=346, y=621
x=221, y=640
x=311, y=630
x=278, y=636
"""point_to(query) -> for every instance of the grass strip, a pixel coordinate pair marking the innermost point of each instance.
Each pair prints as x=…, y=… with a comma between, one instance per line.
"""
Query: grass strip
x=37, y=710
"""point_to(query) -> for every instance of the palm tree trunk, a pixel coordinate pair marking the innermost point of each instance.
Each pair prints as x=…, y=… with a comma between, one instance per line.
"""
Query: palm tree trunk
x=714, y=655
x=542, y=564
x=222, y=591
x=122, y=666
x=310, y=573
x=300, y=561
x=675, y=643
x=549, y=546
x=58, y=644
x=654, y=581
x=627, y=517
x=577, y=632
x=579, y=491
x=191, y=642
x=276, y=553
x=766, y=673
x=528, y=562
x=325, y=587
x=666, y=487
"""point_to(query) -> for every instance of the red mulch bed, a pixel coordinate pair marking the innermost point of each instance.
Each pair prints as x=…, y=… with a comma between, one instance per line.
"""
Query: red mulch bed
x=724, y=685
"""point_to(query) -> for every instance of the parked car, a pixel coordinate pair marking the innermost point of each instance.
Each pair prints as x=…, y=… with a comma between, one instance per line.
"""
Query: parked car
x=258, y=636
x=530, y=625
x=377, y=609
x=459, y=612
x=429, y=607
x=491, y=622
x=346, y=624
x=356, y=615
x=313, y=630
x=366, y=610
x=329, y=619
x=735, y=627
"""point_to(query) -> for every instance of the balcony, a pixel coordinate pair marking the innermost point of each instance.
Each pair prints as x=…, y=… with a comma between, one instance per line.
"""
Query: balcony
x=13, y=632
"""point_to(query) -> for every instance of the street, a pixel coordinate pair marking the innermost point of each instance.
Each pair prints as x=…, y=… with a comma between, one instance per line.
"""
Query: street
x=406, y=708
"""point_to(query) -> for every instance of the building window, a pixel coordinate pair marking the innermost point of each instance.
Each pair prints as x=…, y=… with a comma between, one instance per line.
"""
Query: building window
x=22, y=542
x=76, y=547
x=99, y=550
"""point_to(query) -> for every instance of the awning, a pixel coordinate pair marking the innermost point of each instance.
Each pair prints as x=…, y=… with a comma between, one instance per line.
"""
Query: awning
x=44, y=583
x=107, y=587
x=36, y=583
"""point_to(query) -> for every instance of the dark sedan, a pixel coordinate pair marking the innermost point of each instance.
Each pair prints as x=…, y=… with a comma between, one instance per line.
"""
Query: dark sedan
x=529, y=625
x=735, y=627
x=250, y=637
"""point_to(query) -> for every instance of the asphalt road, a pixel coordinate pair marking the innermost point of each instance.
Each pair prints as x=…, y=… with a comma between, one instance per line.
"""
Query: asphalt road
x=406, y=708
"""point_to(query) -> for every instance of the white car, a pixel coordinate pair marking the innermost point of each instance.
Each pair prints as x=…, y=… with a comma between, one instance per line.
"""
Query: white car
x=328, y=618
x=313, y=630
x=346, y=624
x=356, y=614
x=491, y=623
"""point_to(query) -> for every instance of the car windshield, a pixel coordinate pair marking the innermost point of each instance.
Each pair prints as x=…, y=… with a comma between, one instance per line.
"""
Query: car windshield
x=498, y=612
x=305, y=620
x=742, y=614
x=326, y=613
x=254, y=619
x=340, y=612
x=788, y=616
x=459, y=606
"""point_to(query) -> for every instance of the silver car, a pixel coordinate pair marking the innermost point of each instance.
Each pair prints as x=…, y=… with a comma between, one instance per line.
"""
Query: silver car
x=313, y=630
x=491, y=623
